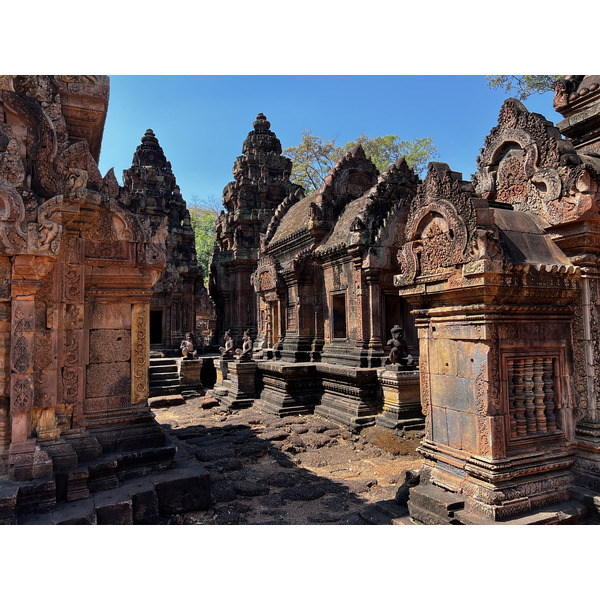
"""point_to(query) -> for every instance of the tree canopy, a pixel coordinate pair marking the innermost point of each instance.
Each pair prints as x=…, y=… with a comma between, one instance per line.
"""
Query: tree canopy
x=522, y=86
x=203, y=214
x=314, y=156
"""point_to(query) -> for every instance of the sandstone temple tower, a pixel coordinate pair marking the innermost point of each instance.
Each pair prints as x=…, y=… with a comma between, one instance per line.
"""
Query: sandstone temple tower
x=261, y=182
x=151, y=190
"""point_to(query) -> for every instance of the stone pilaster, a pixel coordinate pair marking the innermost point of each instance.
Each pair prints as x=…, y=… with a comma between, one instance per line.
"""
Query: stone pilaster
x=140, y=353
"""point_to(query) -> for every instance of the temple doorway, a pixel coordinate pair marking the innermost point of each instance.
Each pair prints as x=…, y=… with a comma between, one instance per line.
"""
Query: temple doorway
x=397, y=312
x=156, y=327
x=273, y=333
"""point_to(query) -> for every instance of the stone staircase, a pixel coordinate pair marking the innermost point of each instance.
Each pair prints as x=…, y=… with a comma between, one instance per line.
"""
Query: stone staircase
x=164, y=376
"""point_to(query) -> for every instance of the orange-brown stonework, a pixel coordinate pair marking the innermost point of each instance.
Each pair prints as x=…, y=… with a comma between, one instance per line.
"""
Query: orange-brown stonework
x=77, y=269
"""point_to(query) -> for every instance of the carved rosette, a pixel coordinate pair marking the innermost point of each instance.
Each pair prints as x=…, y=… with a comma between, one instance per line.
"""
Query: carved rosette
x=21, y=393
x=72, y=284
x=140, y=352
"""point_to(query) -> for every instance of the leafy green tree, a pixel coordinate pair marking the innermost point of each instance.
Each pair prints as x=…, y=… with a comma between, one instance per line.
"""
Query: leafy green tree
x=314, y=156
x=386, y=149
x=203, y=214
x=522, y=86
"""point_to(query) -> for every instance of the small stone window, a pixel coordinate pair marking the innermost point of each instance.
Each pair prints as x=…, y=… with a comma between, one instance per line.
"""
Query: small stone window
x=338, y=315
x=533, y=395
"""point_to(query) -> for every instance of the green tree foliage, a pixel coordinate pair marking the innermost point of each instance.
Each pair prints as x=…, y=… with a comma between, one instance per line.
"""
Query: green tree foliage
x=314, y=156
x=522, y=86
x=203, y=214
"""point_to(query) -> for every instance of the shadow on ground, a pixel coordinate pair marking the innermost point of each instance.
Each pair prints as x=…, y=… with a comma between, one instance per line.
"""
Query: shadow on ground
x=295, y=470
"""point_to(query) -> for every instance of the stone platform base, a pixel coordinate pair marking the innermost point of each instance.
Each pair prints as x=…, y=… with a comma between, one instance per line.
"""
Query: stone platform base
x=125, y=487
x=239, y=389
x=138, y=502
x=288, y=388
x=350, y=395
x=431, y=505
x=401, y=399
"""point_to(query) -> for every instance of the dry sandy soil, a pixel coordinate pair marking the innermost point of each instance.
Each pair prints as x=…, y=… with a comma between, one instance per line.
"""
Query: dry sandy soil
x=295, y=470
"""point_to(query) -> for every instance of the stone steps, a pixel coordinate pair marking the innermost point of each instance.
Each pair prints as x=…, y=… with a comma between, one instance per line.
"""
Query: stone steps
x=164, y=390
x=137, y=502
x=163, y=370
x=382, y=513
x=136, y=487
x=164, y=377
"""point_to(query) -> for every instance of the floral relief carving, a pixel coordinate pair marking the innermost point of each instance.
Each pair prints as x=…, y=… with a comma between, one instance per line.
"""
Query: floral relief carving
x=140, y=353
x=21, y=398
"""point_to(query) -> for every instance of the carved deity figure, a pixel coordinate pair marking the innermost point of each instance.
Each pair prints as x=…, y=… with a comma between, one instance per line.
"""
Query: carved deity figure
x=399, y=353
x=228, y=351
x=245, y=353
x=188, y=347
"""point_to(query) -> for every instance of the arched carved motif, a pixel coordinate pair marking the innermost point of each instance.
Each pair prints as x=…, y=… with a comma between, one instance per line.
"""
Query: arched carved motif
x=436, y=239
x=526, y=163
x=266, y=278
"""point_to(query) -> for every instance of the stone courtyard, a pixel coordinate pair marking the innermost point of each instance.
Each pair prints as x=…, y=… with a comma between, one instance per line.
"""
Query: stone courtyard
x=298, y=470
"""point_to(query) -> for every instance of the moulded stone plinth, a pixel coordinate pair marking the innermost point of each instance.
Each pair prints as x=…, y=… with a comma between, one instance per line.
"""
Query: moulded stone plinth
x=223, y=384
x=222, y=368
x=401, y=399
x=189, y=373
x=242, y=390
x=288, y=388
x=350, y=396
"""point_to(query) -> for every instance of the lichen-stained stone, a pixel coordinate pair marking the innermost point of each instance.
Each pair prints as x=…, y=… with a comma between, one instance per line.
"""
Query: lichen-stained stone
x=108, y=379
x=110, y=345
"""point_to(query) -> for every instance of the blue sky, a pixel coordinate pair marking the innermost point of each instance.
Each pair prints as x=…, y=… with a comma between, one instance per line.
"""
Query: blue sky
x=202, y=121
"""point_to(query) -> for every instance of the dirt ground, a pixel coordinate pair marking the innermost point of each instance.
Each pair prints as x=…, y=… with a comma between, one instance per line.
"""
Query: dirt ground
x=295, y=470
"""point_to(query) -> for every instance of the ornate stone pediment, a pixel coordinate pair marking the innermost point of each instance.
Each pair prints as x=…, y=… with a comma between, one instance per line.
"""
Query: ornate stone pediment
x=525, y=163
x=436, y=240
x=439, y=227
x=352, y=176
x=266, y=278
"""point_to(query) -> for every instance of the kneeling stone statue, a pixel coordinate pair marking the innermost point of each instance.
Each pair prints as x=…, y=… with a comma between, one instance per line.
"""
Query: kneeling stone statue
x=245, y=354
x=399, y=353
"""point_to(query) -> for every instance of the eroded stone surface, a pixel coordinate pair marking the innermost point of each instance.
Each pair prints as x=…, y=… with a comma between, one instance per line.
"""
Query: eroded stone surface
x=271, y=484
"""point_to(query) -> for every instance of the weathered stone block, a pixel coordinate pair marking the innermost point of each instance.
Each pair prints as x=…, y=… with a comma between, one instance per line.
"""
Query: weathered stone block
x=453, y=392
x=80, y=512
x=110, y=345
x=144, y=502
x=439, y=425
x=453, y=423
x=473, y=360
x=444, y=358
x=190, y=371
x=108, y=379
x=113, y=507
x=182, y=489
x=8, y=501
x=468, y=430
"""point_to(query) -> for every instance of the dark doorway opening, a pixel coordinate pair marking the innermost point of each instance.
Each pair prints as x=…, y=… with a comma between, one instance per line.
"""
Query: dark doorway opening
x=156, y=327
x=397, y=312
x=339, y=315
